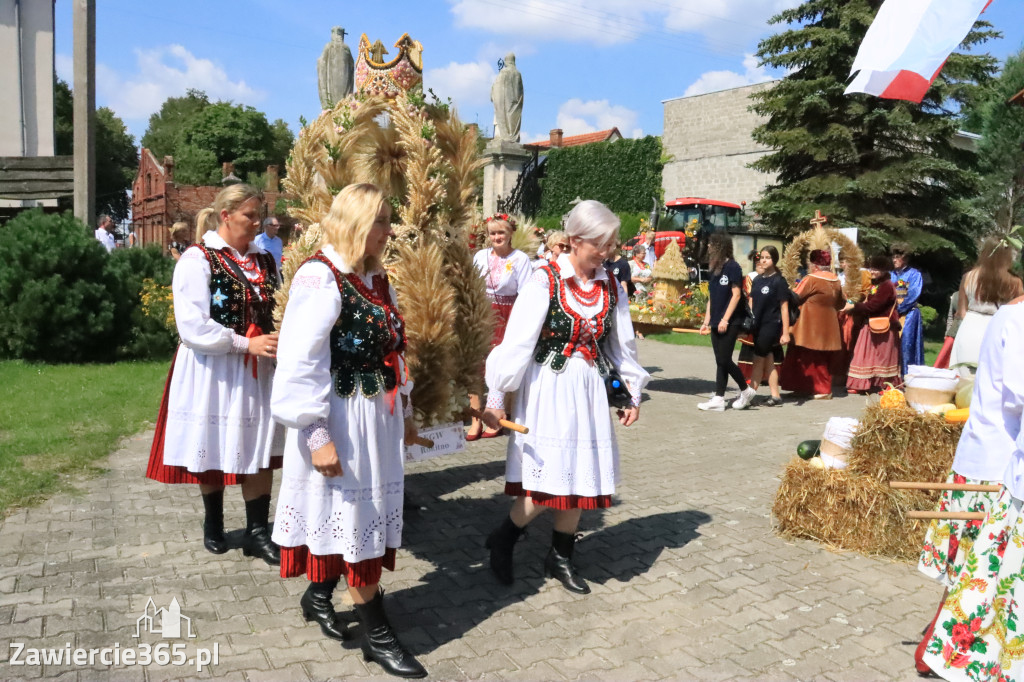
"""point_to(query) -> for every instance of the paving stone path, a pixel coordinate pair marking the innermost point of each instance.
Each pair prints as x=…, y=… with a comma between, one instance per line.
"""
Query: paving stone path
x=689, y=580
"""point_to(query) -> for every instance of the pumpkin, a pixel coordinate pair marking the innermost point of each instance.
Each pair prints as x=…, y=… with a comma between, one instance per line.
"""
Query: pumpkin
x=892, y=399
x=942, y=409
x=958, y=416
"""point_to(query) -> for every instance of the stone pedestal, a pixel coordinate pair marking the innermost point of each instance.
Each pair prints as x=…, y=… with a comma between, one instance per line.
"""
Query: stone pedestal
x=505, y=161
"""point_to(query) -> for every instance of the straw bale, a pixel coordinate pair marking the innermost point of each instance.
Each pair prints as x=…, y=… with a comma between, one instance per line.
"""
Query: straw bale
x=855, y=508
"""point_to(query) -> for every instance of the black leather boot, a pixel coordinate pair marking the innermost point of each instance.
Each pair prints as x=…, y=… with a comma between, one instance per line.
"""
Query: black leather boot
x=558, y=563
x=501, y=542
x=213, y=524
x=317, y=605
x=257, y=542
x=380, y=643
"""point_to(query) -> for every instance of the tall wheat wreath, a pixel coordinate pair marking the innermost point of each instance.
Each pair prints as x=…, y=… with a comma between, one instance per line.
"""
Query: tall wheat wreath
x=424, y=158
x=822, y=238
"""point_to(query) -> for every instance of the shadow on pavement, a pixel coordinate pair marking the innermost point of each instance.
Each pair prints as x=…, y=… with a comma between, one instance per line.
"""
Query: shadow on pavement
x=460, y=593
x=684, y=385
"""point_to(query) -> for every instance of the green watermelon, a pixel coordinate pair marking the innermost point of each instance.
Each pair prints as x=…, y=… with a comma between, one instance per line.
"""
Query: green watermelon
x=808, y=449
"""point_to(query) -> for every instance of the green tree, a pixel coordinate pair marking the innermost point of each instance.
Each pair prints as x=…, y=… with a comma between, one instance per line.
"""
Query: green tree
x=223, y=132
x=117, y=158
x=1001, y=149
x=162, y=135
x=889, y=167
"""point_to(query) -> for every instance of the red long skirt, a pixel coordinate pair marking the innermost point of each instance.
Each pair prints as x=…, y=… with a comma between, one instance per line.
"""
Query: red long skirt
x=562, y=502
x=502, y=307
x=296, y=561
x=876, y=361
x=158, y=471
x=807, y=371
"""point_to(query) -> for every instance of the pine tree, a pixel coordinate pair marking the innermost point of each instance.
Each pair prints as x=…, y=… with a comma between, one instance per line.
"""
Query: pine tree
x=888, y=167
x=1001, y=150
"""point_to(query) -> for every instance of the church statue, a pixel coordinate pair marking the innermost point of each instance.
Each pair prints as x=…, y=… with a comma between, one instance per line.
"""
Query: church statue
x=507, y=97
x=335, y=69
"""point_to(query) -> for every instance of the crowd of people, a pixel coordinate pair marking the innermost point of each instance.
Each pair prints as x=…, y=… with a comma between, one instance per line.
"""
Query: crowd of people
x=334, y=377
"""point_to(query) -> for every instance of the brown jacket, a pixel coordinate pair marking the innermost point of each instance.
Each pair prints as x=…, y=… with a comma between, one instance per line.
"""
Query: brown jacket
x=821, y=297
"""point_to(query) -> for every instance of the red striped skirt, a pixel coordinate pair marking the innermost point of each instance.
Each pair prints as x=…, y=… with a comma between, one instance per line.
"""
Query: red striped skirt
x=502, y=307
x=562, y=502
x=296, y=561
x=158, y=471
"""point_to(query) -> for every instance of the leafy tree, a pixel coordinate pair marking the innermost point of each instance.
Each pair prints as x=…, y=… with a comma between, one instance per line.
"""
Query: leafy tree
x=1001, y=149
x=888, y=167
x=284, y=140
x=117, y=158
x=165, y=126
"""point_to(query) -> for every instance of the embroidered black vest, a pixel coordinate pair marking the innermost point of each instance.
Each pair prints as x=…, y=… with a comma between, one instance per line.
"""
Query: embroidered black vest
x=235, y=302
x=367, y=336
x=562, y=333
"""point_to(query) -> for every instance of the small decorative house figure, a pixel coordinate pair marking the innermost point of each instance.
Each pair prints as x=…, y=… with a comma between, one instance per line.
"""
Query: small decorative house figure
x=670, y=275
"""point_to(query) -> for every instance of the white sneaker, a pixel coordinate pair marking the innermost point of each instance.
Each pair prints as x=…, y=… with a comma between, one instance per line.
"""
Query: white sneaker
x=716, y=404
x=743, y=401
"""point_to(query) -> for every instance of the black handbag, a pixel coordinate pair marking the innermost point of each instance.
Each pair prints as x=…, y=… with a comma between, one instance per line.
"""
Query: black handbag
x=618, y=395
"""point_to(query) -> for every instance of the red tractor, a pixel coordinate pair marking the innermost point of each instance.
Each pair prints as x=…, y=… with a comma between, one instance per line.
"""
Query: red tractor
x=699, y=218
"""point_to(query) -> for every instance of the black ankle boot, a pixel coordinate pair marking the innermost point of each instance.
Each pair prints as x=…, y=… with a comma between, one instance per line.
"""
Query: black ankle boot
x=558, y=563
x=257, y=540
x=380, y=643
x=213, y=525
x=317, y=605
x=501, y=542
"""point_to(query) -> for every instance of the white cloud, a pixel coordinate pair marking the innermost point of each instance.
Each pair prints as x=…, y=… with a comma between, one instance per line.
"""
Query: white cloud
x=725, y=23
x=576, y=117
x=468, y=84
x=713, y=81
x=164, y=72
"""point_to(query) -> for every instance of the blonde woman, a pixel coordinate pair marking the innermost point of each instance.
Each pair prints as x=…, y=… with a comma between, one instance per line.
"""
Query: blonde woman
x=557, y=243
x=341, y=388
x=505, y=271
x=214, y=428
x=179, y=238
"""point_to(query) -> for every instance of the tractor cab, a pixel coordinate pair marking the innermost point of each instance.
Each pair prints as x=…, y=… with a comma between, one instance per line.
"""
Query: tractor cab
x=691, y=220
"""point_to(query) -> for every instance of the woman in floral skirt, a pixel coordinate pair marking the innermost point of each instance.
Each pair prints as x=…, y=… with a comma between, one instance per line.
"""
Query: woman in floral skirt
x=977, y=634
x=981, y=458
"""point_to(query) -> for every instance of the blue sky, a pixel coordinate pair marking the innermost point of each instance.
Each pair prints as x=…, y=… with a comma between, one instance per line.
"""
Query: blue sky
x=586, y=64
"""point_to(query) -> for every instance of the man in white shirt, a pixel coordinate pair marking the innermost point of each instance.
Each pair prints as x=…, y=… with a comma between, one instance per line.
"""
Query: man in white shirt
x=104, y=233
x=269, y=241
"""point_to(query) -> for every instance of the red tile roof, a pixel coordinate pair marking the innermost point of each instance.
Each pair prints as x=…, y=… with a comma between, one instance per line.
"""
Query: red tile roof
x=586, y=138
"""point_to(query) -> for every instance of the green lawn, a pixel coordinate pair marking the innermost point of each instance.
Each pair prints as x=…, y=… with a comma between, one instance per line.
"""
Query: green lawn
x=931, y=348
x=58, y=422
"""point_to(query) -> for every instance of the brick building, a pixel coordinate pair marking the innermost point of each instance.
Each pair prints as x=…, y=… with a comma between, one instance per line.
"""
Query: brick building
x=158, y=202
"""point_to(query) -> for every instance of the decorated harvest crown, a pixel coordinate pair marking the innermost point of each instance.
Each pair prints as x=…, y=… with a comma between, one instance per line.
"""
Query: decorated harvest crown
x=374, y=76
x=504, y=217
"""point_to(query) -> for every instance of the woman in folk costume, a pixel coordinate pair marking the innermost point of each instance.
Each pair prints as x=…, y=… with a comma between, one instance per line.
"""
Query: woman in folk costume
x=505, y=271
x=876, y=357
x=988, y=285
x=807, y=368
x=981, y=456
x=849, y=326
x=341, y=390
x=977, y=633
x=569, y=329
x=214, y=428
x=908, y=282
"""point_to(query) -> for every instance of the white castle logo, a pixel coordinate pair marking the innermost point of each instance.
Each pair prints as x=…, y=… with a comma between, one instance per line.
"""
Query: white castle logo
x=164, y=622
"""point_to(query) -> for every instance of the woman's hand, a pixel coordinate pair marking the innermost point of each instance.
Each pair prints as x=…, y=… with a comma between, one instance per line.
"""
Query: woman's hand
x=705, y=328
x=491, y=417
x=784, y=339
x=411, y=431
x=723, y=326
x=848, y=307
x=265, y=345
x=629, y=417
x=325, y=460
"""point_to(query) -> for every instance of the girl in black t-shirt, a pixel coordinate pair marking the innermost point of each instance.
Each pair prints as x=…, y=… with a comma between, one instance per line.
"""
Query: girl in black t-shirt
x=769, y=303
x=722, y=319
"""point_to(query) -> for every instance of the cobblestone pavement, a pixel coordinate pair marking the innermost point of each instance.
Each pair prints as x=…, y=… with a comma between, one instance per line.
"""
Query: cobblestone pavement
x=689, y=580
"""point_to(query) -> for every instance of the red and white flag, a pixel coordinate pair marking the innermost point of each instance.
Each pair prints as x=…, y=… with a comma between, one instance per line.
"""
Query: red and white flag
x=908, y=43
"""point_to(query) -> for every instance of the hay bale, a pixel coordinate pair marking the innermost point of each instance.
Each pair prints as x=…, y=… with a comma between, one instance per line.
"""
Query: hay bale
x=903, y=445
x=855, y=508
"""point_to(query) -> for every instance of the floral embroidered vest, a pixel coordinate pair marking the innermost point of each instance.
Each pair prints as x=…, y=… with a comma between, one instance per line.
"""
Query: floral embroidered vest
x=235, y=301
x=563, y=330
x=367, y=336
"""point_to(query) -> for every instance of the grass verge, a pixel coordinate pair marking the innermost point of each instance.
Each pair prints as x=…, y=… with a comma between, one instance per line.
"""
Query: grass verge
x=57, y=421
